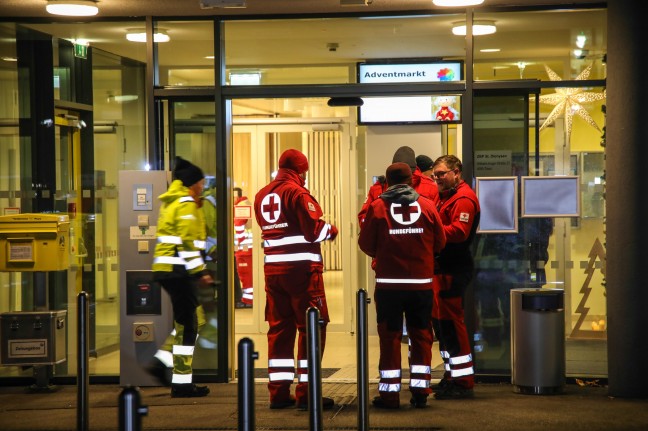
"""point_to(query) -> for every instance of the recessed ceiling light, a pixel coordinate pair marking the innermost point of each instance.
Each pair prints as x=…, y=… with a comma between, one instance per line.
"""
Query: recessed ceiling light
x=457, y=3
x=139, y=35
x=9, y=59
x=480, y=28
x=490, y=50
x=72, y=7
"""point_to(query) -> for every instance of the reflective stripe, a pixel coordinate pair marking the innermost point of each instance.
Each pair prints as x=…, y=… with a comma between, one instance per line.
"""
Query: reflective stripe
x=274, y=258
x=325, y=233
x=281, y=376
x=206, y=344
x=461, y=359
x=181, y=378
x=303, y=363
x=462, y=372
x=169, y=239
x=171, y=260
x=187, y=217
x=211, y=199
x=390, y=374
x=419, y=383
x=444, y=354
x=165, y=357
x=285, y=241
x=187, y=254
x=404, y=280
x=447, y=367
x=276, y=363
x=199, y=244
x=303, y=377
x=194, y=263
x=186, y=199
x=421, y=369
x=389, y=387
x=183, y=350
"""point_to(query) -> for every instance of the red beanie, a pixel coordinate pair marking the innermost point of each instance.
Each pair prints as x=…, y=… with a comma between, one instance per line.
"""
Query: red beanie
x=295, y=160
x=399, y=173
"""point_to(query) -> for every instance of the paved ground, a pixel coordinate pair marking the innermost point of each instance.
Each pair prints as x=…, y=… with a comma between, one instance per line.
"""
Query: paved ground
x=494, y=407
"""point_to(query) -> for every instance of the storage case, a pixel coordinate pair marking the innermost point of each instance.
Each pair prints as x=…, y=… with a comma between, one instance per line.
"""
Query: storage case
x=33, y=337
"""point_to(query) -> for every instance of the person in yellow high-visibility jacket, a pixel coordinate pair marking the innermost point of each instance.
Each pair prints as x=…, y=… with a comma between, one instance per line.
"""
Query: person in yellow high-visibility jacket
x=179, y=266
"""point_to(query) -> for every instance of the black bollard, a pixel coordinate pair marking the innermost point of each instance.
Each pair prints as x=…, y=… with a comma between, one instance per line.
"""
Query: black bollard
x=130, y=410
x=314, y=369
x=83, y=352
x=363, y=361
x=246, y=357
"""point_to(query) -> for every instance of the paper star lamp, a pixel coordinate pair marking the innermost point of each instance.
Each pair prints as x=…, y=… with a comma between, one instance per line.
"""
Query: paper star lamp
x=569, y=101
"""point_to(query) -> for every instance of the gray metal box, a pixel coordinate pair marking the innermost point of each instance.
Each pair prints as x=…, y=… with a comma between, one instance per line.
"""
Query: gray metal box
x=33, y=337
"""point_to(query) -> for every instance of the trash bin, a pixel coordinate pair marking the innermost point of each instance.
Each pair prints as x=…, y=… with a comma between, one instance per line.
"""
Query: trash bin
x=538, y=341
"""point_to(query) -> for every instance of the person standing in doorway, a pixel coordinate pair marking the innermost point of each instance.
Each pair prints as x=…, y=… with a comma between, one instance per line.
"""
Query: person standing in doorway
x=179, y=266
x=403, y=233
x=459, y=210
x=243, y=251
x=292, y=229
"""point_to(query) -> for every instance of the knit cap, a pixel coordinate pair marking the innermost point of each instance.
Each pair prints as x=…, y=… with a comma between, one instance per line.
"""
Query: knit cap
x=398, y=173
x=423, y=162
x=295, y=160
x=187, y=172
x=406, y=155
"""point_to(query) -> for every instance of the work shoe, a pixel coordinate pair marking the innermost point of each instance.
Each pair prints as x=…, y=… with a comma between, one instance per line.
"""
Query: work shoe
x=452, y=391
x=290, y=402
x=381, y=403
x=188, y=390
x=419, y=400
x=442, y=384
x=327, y=404
x=161, y=372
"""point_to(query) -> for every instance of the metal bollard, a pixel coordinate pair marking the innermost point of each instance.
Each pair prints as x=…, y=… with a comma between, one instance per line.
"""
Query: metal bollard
x=83, y=353
x=130, y=410
x=314, y=369
x=246, y=357
x=363, y=361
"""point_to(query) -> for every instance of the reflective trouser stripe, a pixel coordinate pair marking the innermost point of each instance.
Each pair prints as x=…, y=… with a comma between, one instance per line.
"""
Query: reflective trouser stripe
x=389, y=387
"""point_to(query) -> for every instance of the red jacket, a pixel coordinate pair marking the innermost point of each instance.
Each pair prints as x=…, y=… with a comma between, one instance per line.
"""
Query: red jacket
x=402, y=231
x=291, y=225
x=423, y=185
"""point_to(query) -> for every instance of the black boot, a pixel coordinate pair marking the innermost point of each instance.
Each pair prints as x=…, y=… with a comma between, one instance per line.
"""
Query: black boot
x=188, y=390
x=161, y=372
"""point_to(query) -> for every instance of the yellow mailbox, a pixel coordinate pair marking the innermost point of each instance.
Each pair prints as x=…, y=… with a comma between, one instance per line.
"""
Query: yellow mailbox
x=34, y=242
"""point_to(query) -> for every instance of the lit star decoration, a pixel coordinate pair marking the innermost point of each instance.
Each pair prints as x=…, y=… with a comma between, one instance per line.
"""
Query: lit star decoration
x=445, y=74
x=568, y=101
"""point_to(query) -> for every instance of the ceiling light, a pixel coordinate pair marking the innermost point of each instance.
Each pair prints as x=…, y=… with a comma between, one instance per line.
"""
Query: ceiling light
x=489, y=50
x=457, y=3
x=479, y=28
x=72, y=7
x=139, y=35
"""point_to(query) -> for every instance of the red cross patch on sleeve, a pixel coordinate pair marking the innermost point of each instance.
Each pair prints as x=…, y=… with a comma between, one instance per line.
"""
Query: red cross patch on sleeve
x=464, y=217
x=311, y=207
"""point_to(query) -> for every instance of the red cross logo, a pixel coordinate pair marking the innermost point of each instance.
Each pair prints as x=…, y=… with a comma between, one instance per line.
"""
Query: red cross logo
x=405, y=213
x=271, y=207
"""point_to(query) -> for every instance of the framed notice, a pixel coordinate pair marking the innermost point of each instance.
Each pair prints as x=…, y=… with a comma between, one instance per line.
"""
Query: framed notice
x=556, y=196
x=498, y=199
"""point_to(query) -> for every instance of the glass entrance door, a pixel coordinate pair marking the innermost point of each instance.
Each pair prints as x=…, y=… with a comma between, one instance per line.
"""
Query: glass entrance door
x=256, y=150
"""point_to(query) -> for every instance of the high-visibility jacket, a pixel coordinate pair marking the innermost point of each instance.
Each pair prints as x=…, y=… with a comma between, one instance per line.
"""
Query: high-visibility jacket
x=291, y=225
x=180, y=233
x=423, y=185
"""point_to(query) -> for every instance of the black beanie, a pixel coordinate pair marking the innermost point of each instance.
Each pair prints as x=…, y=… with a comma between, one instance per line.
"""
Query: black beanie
x=398, y=173
x=187, y=172
x=423, y=162
x=406, y=155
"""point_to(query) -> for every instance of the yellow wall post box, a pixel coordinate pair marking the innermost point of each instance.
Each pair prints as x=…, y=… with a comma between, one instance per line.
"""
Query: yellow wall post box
x=34, y=242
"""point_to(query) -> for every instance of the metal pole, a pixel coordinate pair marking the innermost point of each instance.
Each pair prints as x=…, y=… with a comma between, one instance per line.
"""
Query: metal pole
x=83, y=352
x=363, y=361
x=314, y=369
x=246, y=357
x=130, y=410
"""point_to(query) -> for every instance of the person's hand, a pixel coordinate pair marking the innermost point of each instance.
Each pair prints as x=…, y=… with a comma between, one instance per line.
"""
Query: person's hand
x=333, y=233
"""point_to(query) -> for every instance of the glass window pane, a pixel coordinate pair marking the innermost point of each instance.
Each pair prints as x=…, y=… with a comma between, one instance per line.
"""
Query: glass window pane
x=187, y=57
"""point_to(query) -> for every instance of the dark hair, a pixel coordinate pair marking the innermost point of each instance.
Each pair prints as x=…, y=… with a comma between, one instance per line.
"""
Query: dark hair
x=238, y=191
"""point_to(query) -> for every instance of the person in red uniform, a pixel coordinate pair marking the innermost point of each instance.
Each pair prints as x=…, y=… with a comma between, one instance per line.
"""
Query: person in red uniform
x=243, y=252
x=459, y=210
x=292, y=229
x=423, y=185
x=403, y=232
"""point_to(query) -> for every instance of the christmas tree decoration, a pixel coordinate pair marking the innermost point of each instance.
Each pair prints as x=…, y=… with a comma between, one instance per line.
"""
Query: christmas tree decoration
x=569, y=101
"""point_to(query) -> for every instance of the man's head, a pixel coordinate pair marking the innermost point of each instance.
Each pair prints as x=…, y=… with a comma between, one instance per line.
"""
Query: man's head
x=295, y=160
x=405, y=155
x=398, y=173
x=424, y=164
x=187, y=172
x=447, y=172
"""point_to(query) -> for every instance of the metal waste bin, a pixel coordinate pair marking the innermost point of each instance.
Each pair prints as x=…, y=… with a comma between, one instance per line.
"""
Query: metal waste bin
x=538, y=341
